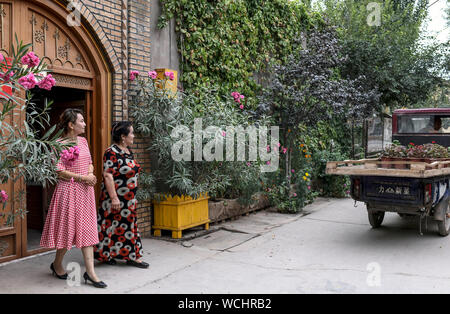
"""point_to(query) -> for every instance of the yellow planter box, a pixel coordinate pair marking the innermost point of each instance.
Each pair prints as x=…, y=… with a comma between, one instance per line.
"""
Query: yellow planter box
x=171, y=86
x=180, y=213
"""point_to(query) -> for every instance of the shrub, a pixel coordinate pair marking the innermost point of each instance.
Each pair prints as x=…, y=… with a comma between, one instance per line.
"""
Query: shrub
x=329, y=185
x=158, y=114
x=25, y=153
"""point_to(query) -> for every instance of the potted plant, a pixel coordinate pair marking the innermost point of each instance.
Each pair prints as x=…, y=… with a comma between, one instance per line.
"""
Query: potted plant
x=183, y=187
x=421, y=153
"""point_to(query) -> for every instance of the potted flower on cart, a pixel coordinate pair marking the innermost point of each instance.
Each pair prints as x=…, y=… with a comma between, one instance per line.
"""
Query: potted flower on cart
x=427, y=153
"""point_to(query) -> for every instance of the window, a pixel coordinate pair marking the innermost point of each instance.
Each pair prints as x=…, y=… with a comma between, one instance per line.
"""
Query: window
x=418, y=124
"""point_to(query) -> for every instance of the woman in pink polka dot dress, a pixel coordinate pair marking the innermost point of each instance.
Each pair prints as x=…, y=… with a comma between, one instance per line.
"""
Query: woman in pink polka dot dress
x=72, y=215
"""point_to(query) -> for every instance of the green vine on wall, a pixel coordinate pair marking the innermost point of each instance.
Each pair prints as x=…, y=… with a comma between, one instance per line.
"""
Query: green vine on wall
x=225, y=43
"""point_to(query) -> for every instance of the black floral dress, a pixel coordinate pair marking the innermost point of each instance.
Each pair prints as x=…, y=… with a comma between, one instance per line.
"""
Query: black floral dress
x=118, y=231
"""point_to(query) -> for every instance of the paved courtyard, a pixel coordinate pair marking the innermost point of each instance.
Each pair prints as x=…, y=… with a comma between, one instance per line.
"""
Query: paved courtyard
x=329, y=248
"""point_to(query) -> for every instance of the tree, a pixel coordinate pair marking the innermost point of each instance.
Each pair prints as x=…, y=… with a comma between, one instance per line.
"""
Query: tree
x=391, y=55
x=308, y=89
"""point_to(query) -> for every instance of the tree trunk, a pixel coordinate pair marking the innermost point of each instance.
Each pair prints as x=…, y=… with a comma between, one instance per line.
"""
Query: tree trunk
x=353, y=139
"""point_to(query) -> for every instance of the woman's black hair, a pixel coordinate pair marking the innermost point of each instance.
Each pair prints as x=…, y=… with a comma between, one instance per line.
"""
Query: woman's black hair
x=120, y=128
x=69, y=115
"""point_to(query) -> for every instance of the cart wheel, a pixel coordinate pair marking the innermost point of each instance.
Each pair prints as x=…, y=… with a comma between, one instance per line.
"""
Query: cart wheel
x=444, y=226
x=376, y=218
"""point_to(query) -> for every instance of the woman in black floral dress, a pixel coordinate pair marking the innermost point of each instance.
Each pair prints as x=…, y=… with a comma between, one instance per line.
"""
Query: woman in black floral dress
x=117, y=218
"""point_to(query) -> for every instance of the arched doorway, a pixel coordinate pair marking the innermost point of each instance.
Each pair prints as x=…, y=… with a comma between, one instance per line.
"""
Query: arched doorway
x=83, y=80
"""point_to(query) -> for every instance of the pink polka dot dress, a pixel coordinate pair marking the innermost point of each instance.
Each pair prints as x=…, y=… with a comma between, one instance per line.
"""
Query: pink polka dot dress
x=72, y=215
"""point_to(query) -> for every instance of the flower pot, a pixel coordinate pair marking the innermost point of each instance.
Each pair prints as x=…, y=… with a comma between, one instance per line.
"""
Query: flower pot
x=230, y=208
x=180, y=213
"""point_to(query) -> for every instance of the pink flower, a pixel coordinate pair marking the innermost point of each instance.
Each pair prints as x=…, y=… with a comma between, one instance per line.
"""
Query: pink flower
x=224, y=133
x=47, y=82
x=133, y=75
x=241, y=106
x=309, y=187
x=30, y=59
x=293, y=171
x=152, y=74
x=268, y=148
x=284, y=150
x=3, y=196
x=295, y=194
x=2, y=58
x=249, y=164
x=279, y=144
x=28, y=82
x=237, y=97
x=169, y=75
x=69, y=156
x=6, y=77
x=268, y=163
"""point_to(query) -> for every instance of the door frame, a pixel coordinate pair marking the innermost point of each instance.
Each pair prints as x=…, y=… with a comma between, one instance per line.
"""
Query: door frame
x=98, y=98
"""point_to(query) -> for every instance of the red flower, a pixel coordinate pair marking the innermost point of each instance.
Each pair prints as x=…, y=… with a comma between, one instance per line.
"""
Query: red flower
x=119, y=231
x=124, y=252
x=122, y=239
x=131, y=174
x=107, y=224
x=412, y=144
x=129, y=196
x=433, y=142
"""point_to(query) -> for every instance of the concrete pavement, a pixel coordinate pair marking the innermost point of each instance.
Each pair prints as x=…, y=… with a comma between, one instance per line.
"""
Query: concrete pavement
x=330, y=248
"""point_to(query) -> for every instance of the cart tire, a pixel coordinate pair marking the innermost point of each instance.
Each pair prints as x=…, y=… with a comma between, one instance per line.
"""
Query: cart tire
x=444, y=226
x=376, y=218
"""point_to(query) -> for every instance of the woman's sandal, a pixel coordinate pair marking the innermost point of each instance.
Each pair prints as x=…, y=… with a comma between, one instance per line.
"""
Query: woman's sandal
x=63, y=277
x=138, y=264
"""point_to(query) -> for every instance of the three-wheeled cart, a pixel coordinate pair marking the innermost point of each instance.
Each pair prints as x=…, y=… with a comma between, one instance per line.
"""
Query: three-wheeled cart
x=405, y=186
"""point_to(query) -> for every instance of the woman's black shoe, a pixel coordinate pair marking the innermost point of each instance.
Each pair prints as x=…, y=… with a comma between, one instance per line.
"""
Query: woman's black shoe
x=112, y=261
x=63, y=277
x=97, y=284
x=137, y=264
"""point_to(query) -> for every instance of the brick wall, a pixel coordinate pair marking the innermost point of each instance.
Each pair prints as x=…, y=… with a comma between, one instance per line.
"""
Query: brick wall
x=123, y=30
x=139, y=60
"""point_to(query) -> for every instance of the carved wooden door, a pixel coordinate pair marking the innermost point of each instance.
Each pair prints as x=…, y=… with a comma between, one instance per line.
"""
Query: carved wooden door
x=67, y=55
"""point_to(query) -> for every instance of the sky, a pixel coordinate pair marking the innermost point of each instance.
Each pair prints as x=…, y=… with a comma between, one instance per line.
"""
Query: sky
x=437, y=24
